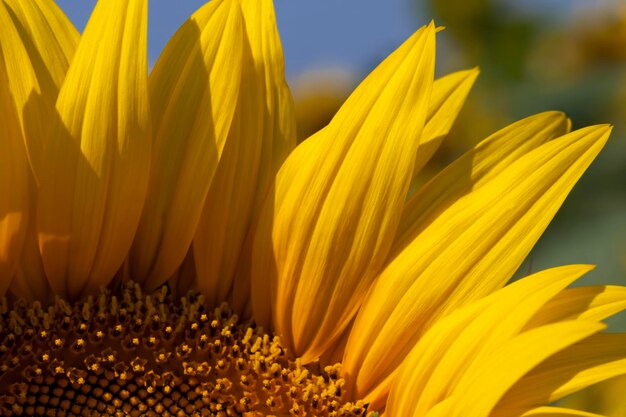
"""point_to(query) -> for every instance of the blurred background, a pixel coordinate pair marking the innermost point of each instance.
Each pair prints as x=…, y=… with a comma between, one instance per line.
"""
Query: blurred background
x=534, y=55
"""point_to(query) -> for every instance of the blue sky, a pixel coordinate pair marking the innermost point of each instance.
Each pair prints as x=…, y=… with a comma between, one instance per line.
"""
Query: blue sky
x=351, y=34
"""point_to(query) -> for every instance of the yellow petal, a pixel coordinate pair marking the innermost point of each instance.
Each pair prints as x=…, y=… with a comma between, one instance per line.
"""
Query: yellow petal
x=479, y=391
x=29, y=281
x=14, y=176
x=588, y=362
x=48, y=36
x=447, y=98
x=37, y=42
x=458, y=344
x=184, y=279
x=475, y=169
x=589, y=303
x=263, y=265
x=284, y=143
x=263, y=115
x=465, y=252
x=95, y=175
x=333, y=222
x=194, y=88
x=556, y=412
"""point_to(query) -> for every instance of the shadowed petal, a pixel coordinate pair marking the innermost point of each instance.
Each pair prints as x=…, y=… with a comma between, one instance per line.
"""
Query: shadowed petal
x=448, y=95
x=466, y=252
x=93, y=182
x=261, y=136
x=449, y=361
x=194, y=88
x=14, y=175
x=337, y=203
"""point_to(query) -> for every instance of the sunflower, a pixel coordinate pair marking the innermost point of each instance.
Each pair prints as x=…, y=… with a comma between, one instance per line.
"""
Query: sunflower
x=166, y=249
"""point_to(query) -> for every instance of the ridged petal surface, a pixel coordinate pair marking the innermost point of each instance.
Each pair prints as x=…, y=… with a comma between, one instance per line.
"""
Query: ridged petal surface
x=474, y=169
x=588, y=303
x=337, y=203
x=36, y=43
x=194, y=90
x=93, y=179
x=510, y=363
x=598, y=358
x=452, y=359
x=261, y=136
x=14, y=204
x=467, y=251
x=557, y=412
x=447, y=98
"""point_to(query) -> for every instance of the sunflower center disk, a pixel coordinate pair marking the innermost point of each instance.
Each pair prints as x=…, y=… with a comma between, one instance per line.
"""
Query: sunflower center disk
x=152, y=355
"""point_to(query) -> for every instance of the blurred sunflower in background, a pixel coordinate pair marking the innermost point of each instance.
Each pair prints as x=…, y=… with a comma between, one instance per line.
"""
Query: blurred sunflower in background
x=321, y=285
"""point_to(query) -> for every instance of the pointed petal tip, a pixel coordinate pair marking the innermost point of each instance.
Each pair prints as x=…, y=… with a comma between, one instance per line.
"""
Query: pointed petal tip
x=431, y=31
x=433, y=25
x=553, y=113
x=603, y=128
x=552, y=118
x=430, y=27
x=428, y=31
x=599, y=132
x=471, y=74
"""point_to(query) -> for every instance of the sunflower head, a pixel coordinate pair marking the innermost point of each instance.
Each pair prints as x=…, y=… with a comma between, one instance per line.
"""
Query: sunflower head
x=166, y=249
x=138, y=355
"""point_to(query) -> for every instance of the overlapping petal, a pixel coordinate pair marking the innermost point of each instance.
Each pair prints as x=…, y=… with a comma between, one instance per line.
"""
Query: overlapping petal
x=261, y=136
x=474, y=169
x=337, y=203
x=469, y=173
x=589, y=303
x=557, y=412
x=181, y=174
x=475, y=358
x=512, y=360
x=194, y=90
x=593, y=360
x=464, y=252
x=30, y=281
x=37, y=43
x=447, y=98
x=14, y=204
x=93, y=179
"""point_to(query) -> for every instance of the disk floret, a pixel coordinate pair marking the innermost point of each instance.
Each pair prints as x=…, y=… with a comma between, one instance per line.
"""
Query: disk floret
x=137, y=354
